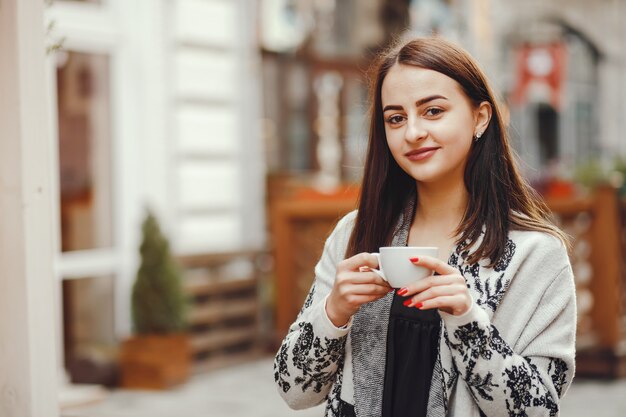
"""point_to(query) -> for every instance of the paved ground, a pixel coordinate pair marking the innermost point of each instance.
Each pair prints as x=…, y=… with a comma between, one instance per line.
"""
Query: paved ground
x=248, y=391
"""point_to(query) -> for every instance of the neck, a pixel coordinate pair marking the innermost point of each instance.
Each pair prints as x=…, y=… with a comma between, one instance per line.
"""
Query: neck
x=441, y=203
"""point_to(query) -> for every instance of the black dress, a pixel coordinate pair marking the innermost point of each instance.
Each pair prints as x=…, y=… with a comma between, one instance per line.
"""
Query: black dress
x=412, y=348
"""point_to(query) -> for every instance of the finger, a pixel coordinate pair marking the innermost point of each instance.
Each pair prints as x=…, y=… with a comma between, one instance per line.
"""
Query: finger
x=439, y=291
x=444, y=301
x=358, y=299
x=360, y=259
x=434, y=264
x=369, y=289
x=449, y=304
x=429, y=282
x=364, y=278
x=347, y=290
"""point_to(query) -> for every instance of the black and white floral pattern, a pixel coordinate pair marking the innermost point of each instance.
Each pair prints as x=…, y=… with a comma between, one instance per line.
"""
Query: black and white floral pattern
x=491, y=291
x=520, y=384
x=457, y=259
x=481, y=385
x=558, y=373
x=309, y=300
x=477, y=342
x=281, y=372
x=474, y=342
x=477, y=367
x=312, y=356
x=490, y=288
x=333, y=402
x=504, y=261
x=454, y=259
x=524, y=385
x=542, y=398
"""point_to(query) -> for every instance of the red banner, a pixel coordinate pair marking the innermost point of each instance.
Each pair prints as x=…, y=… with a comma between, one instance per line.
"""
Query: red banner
x=543, y=65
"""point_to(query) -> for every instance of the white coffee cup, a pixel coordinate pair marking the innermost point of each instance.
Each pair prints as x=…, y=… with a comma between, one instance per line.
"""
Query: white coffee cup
x=396, y=268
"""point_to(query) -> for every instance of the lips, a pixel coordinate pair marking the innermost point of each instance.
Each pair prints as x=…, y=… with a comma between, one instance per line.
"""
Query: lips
x=421, y=153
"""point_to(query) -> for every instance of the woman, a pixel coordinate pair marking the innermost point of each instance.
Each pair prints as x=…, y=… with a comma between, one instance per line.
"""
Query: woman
x=492, y=332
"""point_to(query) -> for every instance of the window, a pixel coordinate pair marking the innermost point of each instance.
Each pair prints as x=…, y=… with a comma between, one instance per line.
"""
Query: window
x=84, y=131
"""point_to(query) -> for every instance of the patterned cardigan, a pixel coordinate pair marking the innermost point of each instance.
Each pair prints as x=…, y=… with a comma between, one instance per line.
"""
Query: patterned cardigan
x=512, y=354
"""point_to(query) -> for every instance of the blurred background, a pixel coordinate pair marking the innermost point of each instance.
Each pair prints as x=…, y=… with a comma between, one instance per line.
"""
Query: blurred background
x=242, y=125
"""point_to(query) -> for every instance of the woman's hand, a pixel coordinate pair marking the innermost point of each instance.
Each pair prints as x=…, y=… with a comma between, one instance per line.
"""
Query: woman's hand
x=354, y=286
x=447, y=291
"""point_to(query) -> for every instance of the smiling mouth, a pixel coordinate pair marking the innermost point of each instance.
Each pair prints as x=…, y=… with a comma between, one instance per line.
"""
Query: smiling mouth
x=420, y=154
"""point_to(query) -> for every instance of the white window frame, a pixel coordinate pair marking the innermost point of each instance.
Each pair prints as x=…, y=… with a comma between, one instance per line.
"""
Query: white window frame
x=139, y=40
x=104, y=29
x=27, y=361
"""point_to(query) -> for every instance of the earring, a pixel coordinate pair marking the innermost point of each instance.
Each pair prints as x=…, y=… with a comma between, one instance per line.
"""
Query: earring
x=478, y=135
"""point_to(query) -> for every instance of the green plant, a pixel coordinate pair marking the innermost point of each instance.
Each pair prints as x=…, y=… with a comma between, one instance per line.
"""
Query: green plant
x=620, y=177
x=158, y=301
x=619, y=165
x=591, y=173
x=53, y=43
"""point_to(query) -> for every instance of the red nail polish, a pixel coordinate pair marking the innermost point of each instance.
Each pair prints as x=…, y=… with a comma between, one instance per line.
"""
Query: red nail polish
x=402, y=291
x=407, y=302
x=414, y=260
x=419, y=305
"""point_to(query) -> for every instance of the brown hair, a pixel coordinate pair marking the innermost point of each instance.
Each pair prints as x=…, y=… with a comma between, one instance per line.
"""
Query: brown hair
x=499, y=198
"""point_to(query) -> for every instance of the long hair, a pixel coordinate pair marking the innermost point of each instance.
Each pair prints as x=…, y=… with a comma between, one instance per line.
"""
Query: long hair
x=499, y=198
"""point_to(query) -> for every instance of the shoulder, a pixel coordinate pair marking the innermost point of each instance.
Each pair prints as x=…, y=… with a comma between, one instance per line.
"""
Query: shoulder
x=348, y=219
x=345, y=225
x=337, y=242
x=538, y=244
x=536, y=250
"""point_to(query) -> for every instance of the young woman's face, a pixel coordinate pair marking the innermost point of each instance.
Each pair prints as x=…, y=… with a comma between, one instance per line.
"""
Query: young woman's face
x=429, y=123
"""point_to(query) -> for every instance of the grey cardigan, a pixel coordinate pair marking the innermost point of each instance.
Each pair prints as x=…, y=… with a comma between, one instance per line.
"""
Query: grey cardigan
x=512, y=354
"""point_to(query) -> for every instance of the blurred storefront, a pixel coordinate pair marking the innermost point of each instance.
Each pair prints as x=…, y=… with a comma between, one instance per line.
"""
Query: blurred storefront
x=558, y=70
x=557, y=67
x=243, y=126
x=562, y=71
x=155, y=105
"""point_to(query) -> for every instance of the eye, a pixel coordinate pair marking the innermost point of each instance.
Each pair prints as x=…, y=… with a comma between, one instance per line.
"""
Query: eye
x=395, y=119
x=433, y=111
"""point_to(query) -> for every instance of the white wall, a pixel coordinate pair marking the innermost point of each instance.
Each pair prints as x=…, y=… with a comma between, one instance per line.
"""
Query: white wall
x=28, y=361
x=184, y=109
x=216, y=164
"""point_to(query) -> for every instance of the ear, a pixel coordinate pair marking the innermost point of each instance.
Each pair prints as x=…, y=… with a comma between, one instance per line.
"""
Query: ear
x=482, y=116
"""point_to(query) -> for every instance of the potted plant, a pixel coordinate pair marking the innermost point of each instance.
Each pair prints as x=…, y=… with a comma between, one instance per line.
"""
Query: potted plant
x=158, y=356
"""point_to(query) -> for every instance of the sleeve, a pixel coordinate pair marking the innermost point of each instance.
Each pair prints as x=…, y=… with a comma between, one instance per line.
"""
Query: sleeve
x=528, y=382
x=306, y=364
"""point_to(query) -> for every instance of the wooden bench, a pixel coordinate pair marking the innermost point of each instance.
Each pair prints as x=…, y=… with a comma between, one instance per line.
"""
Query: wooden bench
x=224, y=315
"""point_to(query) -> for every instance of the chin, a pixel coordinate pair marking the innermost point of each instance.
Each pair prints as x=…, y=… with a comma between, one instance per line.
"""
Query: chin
x=425, y=175
x=431, y=176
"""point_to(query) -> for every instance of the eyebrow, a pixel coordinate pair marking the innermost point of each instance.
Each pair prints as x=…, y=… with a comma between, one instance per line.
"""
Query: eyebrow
x=417, y=103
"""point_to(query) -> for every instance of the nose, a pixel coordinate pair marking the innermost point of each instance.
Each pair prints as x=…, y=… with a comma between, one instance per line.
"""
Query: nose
x=415, y=130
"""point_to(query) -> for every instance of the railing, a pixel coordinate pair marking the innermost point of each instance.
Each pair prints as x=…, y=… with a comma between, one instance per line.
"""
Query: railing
x=299, y=230
x=598, y=227
x=596, y=223
x=224, y=313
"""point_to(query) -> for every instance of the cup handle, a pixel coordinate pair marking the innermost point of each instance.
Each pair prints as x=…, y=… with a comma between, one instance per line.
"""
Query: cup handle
x=379, y=271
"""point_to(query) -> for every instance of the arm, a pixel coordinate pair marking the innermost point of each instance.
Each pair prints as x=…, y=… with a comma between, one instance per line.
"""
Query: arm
x=529, y=370
x=313, y=351
x=528, y=382
x=310, y=355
